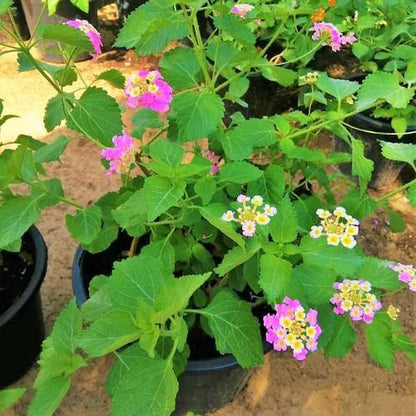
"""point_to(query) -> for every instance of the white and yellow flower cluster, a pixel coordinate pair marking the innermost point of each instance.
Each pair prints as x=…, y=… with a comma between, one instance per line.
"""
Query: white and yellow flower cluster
x=249, y=216
x=338, y=227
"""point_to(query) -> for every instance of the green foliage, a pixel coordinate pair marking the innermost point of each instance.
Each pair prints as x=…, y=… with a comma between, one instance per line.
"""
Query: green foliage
x=283, y=226
x=235, y=329
x=68, y=35
x=52, y=151
x=342, y=339
x=5, y=5
x=401, y=152
x=143, y=119
x=361, y=166
x=234, y=27
x=379, y=274
x=10, y=396
x=113, y=77
x=411, y=195
x=197, y=114
x=337, y=88
x=54, y=113
x=239, y=172
x=85, y=224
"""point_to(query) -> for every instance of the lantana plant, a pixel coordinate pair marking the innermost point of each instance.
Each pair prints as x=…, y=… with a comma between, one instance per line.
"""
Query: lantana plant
x=245, y=240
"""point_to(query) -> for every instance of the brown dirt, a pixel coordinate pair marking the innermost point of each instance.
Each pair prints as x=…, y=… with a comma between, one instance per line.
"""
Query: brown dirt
x=351, y=386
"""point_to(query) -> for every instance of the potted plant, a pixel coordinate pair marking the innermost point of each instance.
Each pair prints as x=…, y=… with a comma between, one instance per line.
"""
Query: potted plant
x=237, y=245
x=22, y=269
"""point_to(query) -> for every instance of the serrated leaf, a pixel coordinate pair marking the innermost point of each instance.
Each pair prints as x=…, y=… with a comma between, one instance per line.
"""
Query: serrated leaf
x=85, y=224
x=399, y=125
x=403, y=343
x=52, y=151
x=9, y=396
x=235, y=329
x=49, y=396
x=98, y=304
x=326, y=320
x=360, y=50
x=68, y=35
x=135, y=280
x=379, y=274
x=109, y=332
x=275, y=276
x=197, y=114
x=379, y=341
x=54, y=113
x=396, y=221
x=383, y=85
x=358, y=204
x=67, y=327
x=284, y=225
x=151, y=379
x=5, y=5
x=143, y=119
x=236, y=28
x=401, y=152
x=113, y=77
x=338, y=88
x=205, y=188
x=161, y=193
x=168, y=153
x=239, y=172
x=282, y=76
x=81, y=4
x=361, y=166
x=96, y=114
x=317, y=283
x=343, y=338
x=411, y=195
x=180, y=68
x=236, y=256
x=175, y=294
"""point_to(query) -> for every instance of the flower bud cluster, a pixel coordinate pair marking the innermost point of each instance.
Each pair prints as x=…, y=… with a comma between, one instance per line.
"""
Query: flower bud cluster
x=407, y=274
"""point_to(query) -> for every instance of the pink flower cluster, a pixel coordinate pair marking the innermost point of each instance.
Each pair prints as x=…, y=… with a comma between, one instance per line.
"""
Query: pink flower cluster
x=331, y=36
x=121, y=156
x=90, y=31
x=407, y=274
x=242, y=9
x=354, y=297
x=147, y=89
x=214, y=159
x=292, y=327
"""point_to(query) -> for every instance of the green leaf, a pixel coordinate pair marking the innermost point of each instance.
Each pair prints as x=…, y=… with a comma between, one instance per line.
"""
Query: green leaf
x=396, y=221
x=98, y=303
x=16, y=216
x=379, y=341
x=284, y=225
x=161, y=194
x=50, y=191
x=143, y=119
x=108, y=333
x=403, y=343
x=345, y=262
x=180, y=68
x=385, y=86
x=317, y=283
x=236, y=28
x=67, y=327
x=275, y=276
x=289, y=148
x=326, y=320
x=10, y=396
x=151, y=379
x=54, y=113
x=49, y=396
x=358, y=204
x=205, y=188
x=52, y=151
x=162, y=250
x=68, y=35
x=81, y=4
x=361, y=166
x=198, y=114
x=168, y=153
x=235, y=329
x=113, y=77
x=135, y=280
x=175, y=294
x=85, y=224
x=411, y=195
x=96, y=114
x=239, y=172
x=360, y=50
x=236, y=256
x=410, y=74
x=343, y=338
x=379, y=274
x=282, y=76
x=401, y=152
x=399, y=125
x=338, y=88
x=275, y=182
x=4, y=6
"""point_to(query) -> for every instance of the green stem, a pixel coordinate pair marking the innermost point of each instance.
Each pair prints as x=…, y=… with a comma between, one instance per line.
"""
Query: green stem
x=133, y=247
x=35, y=29
x=388, y=195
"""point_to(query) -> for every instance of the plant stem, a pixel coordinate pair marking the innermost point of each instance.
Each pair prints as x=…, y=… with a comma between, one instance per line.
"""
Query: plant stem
x=133, y=246
x=388, y=195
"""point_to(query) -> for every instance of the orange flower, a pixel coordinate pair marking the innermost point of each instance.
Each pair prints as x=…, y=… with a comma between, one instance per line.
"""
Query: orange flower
x=332, y=3
x=319, y=15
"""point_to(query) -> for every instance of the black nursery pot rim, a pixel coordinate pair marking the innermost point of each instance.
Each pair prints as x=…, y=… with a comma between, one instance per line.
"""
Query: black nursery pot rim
x=40, y=260
x=378, y=124
x=222, y=362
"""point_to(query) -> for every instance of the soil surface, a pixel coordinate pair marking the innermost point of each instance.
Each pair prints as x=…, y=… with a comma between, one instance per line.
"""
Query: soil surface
x=351, y=386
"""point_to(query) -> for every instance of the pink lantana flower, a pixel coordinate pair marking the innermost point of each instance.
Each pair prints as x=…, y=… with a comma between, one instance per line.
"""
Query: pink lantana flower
x=214, y=159
x=241, y=10
x=406, y=274
x=349, y=39
x=121, y=156
x=149, y=90
x=90, y=31
x=354, y=297
x=293, y=327
x=328, y=34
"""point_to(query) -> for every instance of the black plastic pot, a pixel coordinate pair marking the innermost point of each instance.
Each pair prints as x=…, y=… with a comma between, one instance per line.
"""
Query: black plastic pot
x=22, y=328
x=206, y=384
x=385, y=170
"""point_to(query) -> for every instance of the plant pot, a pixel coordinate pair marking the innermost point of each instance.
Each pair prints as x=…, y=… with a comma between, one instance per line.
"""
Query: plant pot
x=385, y=170
x=22, y=328
x=207, y=383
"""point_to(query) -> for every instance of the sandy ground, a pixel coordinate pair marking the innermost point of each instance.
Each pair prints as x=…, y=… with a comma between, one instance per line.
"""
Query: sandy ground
x=351, y=386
